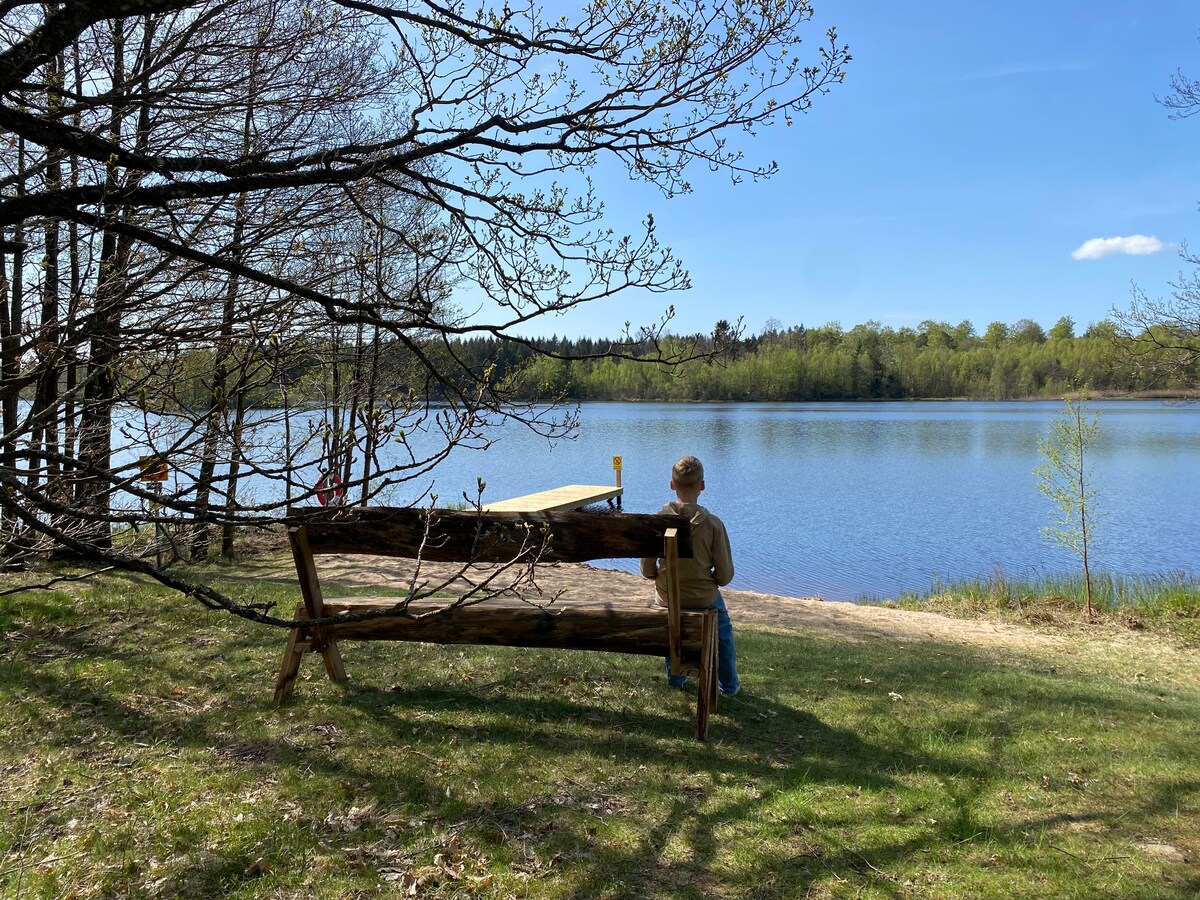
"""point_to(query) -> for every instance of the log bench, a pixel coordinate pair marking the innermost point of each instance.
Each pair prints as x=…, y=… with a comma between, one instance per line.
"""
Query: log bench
x=687, y=637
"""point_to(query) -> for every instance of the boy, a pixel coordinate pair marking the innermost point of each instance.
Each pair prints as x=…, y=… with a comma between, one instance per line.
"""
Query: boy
x=710, y=568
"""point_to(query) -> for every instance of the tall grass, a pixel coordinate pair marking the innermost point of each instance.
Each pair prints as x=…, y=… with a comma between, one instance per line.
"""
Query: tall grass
x=1170, y=602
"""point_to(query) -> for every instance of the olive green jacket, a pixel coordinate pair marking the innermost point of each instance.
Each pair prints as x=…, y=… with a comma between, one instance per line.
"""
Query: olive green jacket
x=710, y=567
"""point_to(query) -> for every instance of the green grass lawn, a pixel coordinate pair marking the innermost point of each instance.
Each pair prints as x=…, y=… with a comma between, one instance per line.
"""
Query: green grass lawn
x=139, y=756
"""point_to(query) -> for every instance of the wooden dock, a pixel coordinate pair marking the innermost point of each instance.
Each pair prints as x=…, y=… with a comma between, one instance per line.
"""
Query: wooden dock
x=571, y=496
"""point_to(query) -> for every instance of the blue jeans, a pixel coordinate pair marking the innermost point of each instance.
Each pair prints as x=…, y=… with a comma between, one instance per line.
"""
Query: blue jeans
x=727, y=676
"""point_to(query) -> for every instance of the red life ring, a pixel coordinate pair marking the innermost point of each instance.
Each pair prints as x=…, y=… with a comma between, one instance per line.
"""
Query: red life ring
x=329, y=488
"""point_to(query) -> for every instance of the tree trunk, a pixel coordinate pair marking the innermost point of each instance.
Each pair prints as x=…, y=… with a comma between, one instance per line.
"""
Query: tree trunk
x=214, y=425
x=371, y=419
x=353, y=411
x=11, y=324
x=219, y=395
x=75, y=303
x=93, y=490
x=46, y=433
x=94, y=487
x=10, y=331
x=228, y=529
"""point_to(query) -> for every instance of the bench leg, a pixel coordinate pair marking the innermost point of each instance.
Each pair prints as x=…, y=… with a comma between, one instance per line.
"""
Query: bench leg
x=714, y=652
x=706, y=693
x=298, y=644
x=333, y=662
x=291, y=666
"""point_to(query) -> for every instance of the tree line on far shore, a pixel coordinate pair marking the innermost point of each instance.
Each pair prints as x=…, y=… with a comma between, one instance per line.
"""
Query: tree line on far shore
x=936, y=360
x=867, y=362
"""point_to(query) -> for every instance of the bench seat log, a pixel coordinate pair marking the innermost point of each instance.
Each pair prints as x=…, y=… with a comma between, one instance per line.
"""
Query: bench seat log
x=686, y=637
x=621, y=628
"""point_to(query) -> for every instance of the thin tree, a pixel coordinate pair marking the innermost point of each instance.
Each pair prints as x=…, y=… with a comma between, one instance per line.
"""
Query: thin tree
x=1066, y=478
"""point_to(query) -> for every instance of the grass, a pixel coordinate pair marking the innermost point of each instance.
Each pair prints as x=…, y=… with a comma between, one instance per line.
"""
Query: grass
x=1168, y=604
x=139, y=757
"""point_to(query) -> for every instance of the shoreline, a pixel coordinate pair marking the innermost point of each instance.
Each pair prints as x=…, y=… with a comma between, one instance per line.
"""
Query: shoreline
x=843, y=620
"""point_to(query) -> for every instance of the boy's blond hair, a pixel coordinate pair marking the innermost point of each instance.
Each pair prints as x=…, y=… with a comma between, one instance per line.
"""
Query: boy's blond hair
x=688, y=472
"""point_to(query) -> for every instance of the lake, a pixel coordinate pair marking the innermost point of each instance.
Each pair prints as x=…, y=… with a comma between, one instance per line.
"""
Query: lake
x=844, y=500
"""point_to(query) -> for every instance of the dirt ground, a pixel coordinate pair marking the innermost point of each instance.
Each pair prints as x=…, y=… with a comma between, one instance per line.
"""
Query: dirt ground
x=848, y=621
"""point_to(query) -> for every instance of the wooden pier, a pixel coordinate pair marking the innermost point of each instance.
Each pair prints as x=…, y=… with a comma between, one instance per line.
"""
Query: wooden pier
x=571, y=496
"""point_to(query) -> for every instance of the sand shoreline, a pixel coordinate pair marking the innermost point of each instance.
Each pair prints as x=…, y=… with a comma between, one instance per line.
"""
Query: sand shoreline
x=844, y=620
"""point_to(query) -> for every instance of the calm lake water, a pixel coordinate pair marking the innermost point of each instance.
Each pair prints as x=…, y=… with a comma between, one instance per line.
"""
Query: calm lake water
x=843, y=500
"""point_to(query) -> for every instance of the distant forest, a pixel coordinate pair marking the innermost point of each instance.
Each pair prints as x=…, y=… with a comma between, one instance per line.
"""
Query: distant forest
x=867, y=362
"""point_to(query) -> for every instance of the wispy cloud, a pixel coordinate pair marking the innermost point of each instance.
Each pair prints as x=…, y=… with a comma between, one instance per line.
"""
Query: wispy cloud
x=1019, y=69
x=1133, y=245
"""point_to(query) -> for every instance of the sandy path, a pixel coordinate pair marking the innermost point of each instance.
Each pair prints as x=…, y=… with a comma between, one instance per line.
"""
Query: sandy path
x=848, y=621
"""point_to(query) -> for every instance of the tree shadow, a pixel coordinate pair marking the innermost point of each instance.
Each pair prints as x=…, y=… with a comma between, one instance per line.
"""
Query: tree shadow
x=772, y=748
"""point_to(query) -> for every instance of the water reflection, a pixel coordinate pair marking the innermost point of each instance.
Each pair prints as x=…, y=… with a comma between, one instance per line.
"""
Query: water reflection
x=844, y=499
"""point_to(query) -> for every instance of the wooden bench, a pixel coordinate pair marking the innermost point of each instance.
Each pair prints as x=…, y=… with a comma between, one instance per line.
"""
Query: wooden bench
x=687, y=637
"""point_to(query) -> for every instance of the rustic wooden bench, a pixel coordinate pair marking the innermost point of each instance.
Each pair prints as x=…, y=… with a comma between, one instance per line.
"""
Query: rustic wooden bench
x=687, y=637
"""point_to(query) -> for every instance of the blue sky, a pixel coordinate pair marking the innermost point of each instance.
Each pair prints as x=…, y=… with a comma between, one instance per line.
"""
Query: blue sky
x=974, y=146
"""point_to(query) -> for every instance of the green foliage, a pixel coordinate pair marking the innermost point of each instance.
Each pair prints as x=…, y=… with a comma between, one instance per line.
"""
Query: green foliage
x=996, y=335
x=1065, y=477
x=540, y=378
x=140, y=758
x=1027, y=331
x=1063, y=330
x=869, y=361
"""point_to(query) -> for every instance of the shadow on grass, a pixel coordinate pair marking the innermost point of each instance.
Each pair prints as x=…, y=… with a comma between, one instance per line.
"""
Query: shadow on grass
x=685, y=840
x=769, y=767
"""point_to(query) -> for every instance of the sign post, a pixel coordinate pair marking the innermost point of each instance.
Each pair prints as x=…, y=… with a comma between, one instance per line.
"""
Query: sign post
x=154, y=473
x=617, y=465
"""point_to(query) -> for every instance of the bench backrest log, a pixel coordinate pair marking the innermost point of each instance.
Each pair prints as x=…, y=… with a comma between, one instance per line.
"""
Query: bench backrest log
x=473, y=536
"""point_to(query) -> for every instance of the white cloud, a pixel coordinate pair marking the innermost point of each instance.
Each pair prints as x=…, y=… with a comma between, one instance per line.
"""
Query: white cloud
x=1133, y=245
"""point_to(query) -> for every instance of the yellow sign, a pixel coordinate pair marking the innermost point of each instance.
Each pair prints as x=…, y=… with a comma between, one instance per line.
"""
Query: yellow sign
x=616, y=464
x=154, y=468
